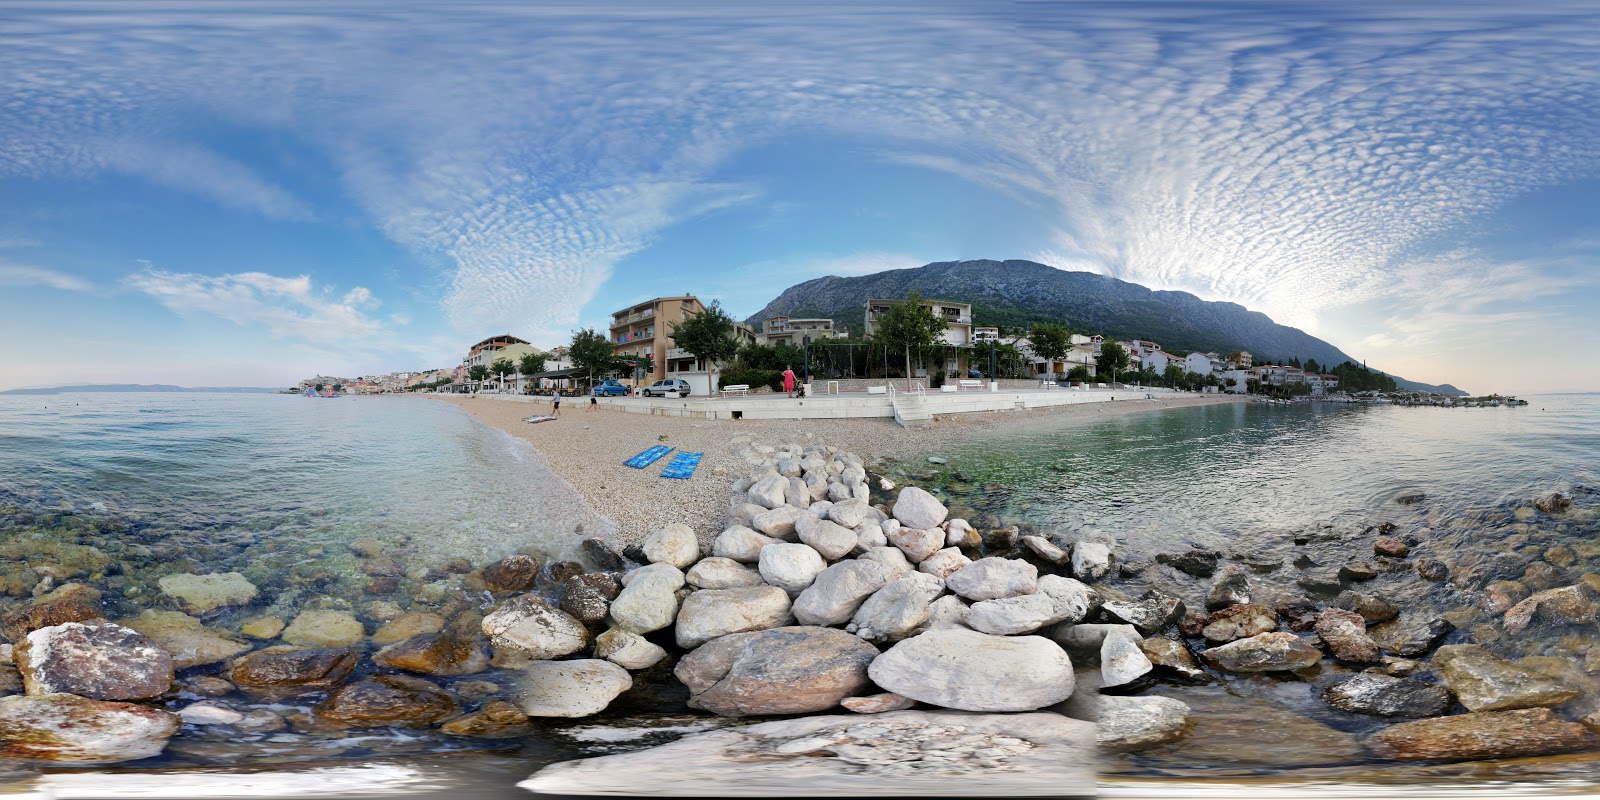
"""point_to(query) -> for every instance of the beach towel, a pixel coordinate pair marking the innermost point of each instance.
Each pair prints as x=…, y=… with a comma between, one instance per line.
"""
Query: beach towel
x=539, y=418
x=648, y=457
x=682, y=466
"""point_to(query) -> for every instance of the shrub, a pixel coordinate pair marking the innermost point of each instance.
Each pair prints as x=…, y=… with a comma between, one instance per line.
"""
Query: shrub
x=753, y=378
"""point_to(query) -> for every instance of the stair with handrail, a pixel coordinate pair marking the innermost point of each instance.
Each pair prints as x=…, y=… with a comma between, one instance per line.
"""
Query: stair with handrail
x=910, y=408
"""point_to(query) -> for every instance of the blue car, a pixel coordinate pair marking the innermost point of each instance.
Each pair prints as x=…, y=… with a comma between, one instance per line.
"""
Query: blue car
x=610, y=389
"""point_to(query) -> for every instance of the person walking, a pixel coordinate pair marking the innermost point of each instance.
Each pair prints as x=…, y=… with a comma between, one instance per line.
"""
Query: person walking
x=788, y=380
x=594, y=403
x=555, y=404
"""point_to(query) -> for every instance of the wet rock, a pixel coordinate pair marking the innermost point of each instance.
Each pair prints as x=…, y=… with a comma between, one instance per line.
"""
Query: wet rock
x=993, y=578
x=1044, y=549
x=1268, y=652
x=944, y=563
x=445, y=654
x=1017, y=755
x=722, y=573
x=1199, y=563
x=602, y=554
x=1561, y=555
x=557, y=572
x=1412, y=634
x=1358, y=571
x=1568, y=605
x=1482, y=681
x=209, y=714
x=197, y=594
x=648, y=601
x=791, y=567
x=19, y=622
x=187, y=639
x=1345, y=634
x=918, y=544
x=497, y=719
x=1239, y=622
x=587, y=598
x=1192, y=624
x=741, y=544
x=529, y=624
x=204, y=686
x=516, y=573
x=1298, y=614
x=1171, y=658
x=1131, y=724
x=1000, y=539
x=1372, y=608
x=915, y=508
x=675, y=544
x=898, y=610
x=287, y=671
x=1090, y=560
x=830, y=540
x=1432, y=569
x=570, y=689
x=267, y=627
x=72, y=729
x=1390, y=546
x=1321, y=582
x=1231, y=588
x=385, y=700
x=1480, y=736
x=1122, y=661
x=1553, y=503
x=1151, y=612
x=712, y=613
x=838, y=592
x=415, y=623
x=1409, y=498
x=98, y=660
x=324, y=629
x=1541, y=575
x=627, y=649
x=792, y=670
x=1386, y=696
x=972, y=671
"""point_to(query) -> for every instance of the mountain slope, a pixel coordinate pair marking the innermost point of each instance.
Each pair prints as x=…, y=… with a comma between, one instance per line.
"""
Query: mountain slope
x=1019, y=293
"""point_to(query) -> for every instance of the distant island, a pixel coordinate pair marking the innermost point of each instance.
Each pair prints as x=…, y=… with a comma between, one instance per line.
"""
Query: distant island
x=143, y=387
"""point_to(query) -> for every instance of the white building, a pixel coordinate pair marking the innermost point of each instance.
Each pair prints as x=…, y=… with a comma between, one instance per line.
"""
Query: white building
x=1154, y=360
x=985, y=335
x=1204, y=363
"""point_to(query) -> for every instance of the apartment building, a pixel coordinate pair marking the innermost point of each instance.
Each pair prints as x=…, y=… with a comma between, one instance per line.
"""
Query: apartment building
x=790, y=330
x=646, y=329
x=958, y=331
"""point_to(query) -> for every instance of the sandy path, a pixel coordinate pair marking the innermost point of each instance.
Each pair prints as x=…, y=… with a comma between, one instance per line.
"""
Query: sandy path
x=588, y=448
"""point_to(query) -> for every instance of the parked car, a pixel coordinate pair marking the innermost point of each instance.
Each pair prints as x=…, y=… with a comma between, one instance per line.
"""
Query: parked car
x=666, y=387
x=973, y=373
x=610, y=389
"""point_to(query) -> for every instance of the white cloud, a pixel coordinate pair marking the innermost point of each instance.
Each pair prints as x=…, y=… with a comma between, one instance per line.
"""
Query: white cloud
x=24, y=275
x=292, y=308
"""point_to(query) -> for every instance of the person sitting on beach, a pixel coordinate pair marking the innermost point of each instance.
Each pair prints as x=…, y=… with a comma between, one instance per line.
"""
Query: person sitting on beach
x=788, y=380
x=555, y=404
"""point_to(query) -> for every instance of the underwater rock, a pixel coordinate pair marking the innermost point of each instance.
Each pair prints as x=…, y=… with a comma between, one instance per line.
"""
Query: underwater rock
x=287, y=671
x=516, y=573
x=189, y=641
x=385, y=700
x=267, y=627
x=198, y=594
x=325, y=629
x=497, y=719
x=20, y=622
x=444, y=653
x=1483, y=735
x=1268, y=652
x=1482, y=681
x=1387, y=696
x=405, y=626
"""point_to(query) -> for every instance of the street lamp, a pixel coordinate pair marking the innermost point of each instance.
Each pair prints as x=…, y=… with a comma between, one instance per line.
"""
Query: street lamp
x=805, y=366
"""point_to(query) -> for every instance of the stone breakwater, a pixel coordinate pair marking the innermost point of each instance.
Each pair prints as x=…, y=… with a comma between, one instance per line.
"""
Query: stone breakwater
x=829, y=590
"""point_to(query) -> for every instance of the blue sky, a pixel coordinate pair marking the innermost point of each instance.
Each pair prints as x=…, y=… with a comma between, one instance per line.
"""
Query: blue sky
x=246, y=194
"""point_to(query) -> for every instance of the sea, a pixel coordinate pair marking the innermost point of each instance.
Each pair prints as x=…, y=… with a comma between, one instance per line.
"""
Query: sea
x=277, y=487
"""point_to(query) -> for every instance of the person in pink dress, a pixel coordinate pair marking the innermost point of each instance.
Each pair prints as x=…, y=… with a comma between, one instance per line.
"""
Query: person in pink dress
x=788, y=380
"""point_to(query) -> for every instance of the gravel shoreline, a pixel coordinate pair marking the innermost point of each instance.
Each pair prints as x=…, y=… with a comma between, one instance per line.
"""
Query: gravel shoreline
x=587, y=450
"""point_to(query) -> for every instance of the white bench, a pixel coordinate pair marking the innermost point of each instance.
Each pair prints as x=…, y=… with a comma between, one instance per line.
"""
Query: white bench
x=971, y=384
x=738, y=388
x=877, y=390
x=949, y=387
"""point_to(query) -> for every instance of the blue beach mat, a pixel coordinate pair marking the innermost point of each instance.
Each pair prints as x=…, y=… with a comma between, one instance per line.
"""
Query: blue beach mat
x=648, y=457
x=682, y=466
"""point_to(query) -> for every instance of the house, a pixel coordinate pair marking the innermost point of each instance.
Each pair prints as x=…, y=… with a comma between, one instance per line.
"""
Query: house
x=789, y=330
x=1239, y=359
x=1155, y=359
x=1081, y=354
x=986, y=335
x=1240, y=377
x=957, y=333
x=492, y=349
x=645, y=329
x=1204, y=363
x=1137, y=348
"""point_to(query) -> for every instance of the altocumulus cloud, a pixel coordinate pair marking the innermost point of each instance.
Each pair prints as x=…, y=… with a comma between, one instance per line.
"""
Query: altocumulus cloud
x=1291, y=159
x=291, y=308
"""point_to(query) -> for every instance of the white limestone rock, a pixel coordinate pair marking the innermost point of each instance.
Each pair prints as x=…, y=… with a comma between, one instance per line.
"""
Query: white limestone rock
x=722, y=573
x=944, y=563
x=570, y=689
x=710, y=613
x=993, y=578
x=918, y=544
x=890, y=557
x=675, y=544
x=1122, y=661
x=972, y=671
x=741, y=544
x=769, y=491
x=897, y=610
x=849, y=513
x=915, y=508
x=1011, y=615
x=830, y=540
x=1090, y=560
x=869, y=535
x=627, y=649
x=790, y=567
x=529, y=624
x=839, y=590
x=649, y=601
x=779, y=521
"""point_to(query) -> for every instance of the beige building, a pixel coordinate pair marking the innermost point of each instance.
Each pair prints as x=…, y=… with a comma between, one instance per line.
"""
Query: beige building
x=788, y=330
x=492, y=349
x=646, y=329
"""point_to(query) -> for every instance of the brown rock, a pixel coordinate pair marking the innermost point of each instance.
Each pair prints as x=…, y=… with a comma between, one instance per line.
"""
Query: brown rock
x=560, y=571
x=1193, y=624
x=444, y=653
x=1345, y=634
x=588, y=597
x=877, y=703
x=1239, y=622
x=791, y=670
x=100, y=661
x=1482, y=681
x=1500, y=596
x=1172, y=658
x=1553, y=503
x=1267, y=652
x=516, y=573
x=21, y=622
x=1482, y=735
x=204, y=685
x=415, y=623
x=1371, y=607
x=1432, y=569
x=286, y=671
x=68, y=728
x=1568, y=605
x=497, y=719
x=387, y=700
x=1390, y=546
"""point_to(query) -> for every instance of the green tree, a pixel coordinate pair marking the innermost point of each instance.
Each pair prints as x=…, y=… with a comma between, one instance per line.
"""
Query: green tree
x=338, y=387
x=1312, y=366
x=1172, y=376
x=501, y=368
x=530, y=364
x=1111, y=360
x=707, y=335
x=317, y=388
x=592, y=351
x=636, y=366
x=910, y=325
x=478, y=373
x=1049, y=341
x=1079, y=373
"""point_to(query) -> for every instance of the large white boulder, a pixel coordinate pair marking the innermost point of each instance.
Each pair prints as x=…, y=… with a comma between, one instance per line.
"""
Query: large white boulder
x=849, y=513
x=830, y=540
x=578, y=688
x=769, y=491
x=897, y=610
x=675, y=544
x=722, y=573
x=1009, y=616
x=779, y=521
x=790, y=567
x=741, y=544
x=993, y=578
x=917, y=543
x=972, y=671
x=915, y=508
x=1091, y=560
x=529, y=624
x=710, y=613
x=944, y=563
x=838, y=591
x=649, y=602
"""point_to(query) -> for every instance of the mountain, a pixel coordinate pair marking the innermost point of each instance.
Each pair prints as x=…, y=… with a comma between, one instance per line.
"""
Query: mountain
x=142, y=387
x=1019, y=293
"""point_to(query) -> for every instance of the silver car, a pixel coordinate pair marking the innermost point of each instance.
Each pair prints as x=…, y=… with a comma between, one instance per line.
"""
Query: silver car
x=667, y=387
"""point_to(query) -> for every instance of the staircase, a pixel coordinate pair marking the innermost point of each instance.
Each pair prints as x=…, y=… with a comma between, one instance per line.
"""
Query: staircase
x=911, y=411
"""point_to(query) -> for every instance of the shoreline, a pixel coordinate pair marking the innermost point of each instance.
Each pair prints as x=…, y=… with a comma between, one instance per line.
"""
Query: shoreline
x=586, y=449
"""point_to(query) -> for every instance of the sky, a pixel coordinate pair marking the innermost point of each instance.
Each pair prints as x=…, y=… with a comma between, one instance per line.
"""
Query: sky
x=215, y=194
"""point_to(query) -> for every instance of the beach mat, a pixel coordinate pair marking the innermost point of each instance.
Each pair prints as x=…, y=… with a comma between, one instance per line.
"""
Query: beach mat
x=539, y=418
x=682, y=466
x=648, y=457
